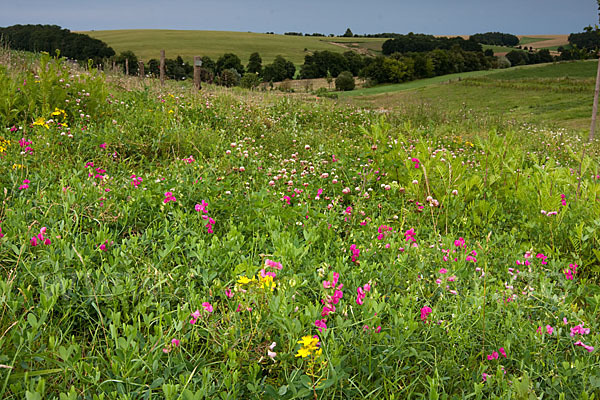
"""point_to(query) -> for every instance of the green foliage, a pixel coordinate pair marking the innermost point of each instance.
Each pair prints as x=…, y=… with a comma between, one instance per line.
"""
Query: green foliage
x=344, y=81
x=50, y=38
x=250, y=80
x=131, y=59
x=425, y=43
x=229, y=77
x=229, y=61
x=254, y=64
x=104, y=309
x=496, y=38
x=279, y=70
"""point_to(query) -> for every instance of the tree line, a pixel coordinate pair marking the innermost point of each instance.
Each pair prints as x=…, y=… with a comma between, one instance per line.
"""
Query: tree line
x=49, y=38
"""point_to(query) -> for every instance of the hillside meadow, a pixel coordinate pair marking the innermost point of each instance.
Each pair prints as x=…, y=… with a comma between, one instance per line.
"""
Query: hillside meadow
x=147, y=43
x=163, y=243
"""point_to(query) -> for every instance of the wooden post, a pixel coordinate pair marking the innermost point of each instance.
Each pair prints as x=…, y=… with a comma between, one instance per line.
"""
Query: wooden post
x=141, y=68
x=114, y=66
x=162, y=67
x=127, y=66
x=197, y=67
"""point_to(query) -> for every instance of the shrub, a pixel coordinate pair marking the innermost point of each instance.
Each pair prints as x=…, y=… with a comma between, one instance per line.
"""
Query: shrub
x=229, y=77
x=250, y=80
x=344, y=81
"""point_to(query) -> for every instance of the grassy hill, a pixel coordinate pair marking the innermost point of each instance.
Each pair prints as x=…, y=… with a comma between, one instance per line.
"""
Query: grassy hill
x=559, y=94
x=147, y=43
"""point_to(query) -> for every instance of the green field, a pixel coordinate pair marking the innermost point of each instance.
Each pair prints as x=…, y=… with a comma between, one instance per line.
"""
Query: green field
x=146, y=44
x=528, y=40
x=558, y=94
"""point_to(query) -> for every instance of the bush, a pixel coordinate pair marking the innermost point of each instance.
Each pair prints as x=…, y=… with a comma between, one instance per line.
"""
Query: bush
x=229, y=77
x=344, y=81
x=250, y=80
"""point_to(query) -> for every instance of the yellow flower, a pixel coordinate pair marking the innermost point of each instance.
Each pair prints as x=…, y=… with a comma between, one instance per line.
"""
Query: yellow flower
x=267, y=282
x=309, y=342
x=243, y=280
x=170, y=111
x=303, y=352
x=41, y=122
x=19, y=166
x=58, y=112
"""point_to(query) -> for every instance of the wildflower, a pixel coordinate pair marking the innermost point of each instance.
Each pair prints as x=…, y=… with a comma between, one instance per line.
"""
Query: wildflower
x=580, y=343
x=207, y=306
x=243, y=280
x=443, y=271
x=501, y=350
x=25, y=184
x=310, y=346
x=579, y=330
x=228, y=293
x=41, y=122
x=103, y=146
x=169, y=197
x=321, y=324
x=484, y=376
x=416, y=161
x=493, y=356
x=175, y=342
x=425, y=311
x=273, y=264
x=549, y=329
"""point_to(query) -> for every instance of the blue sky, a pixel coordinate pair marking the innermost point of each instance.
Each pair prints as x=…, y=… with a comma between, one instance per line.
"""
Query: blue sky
x=325, y=16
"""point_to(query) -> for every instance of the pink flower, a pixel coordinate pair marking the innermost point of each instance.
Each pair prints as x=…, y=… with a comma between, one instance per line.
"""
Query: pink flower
x=273, y=264
x=228, y=293
x=501, y=350
x=34, y=241
x=484, y=376
x=443, y=271
x=580, y=343
x=425, y=311
x=321, y=324
x=175, y=342
x=103, y=146
x=549, y=329
x=492, y=356
x=579, y=330
x=196, y=314
x=207, y=306
x=169, y=197
x=378, y=329
x=201, y=207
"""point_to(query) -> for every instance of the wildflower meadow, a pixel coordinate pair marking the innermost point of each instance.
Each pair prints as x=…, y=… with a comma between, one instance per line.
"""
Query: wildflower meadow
x=163, y=243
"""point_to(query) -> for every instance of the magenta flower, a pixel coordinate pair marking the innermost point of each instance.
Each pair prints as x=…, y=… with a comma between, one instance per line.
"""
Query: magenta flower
x=228, y=293
x=425, y=311
x=321, y=324
x=588, y=348
x=169, y=197
x=493, y=356
x=207, y=306
x=201, y=207
x=175, y=342
x=25, y=184
x=549, y=329
x=103, y=146
x=501, y=350
x=34, y=241
x=273, y=264
x=579, y=330
x=443, y=270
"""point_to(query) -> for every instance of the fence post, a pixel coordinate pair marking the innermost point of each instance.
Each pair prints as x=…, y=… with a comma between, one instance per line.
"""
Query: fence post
x=162, y=67
x=127, y=66
x=141, y=68
x=197, y=66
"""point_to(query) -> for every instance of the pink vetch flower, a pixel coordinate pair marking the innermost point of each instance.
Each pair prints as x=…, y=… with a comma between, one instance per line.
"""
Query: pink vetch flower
x=549, y=329
x=501, y=350
x=443, y=271
x=175, y=342
x=195, y=315
x=425, y=311
x=169, y=197
x=460, y=242
x=579, y=330
x=492, y=356
x=321, y=324
x=319, y=193
x=25, y=184
x=103, y=146
x=228, y=293
x=580, y=343
x=273, y=264
x=207, y=306
x=484, y=376
x=355, y=253
x=572, y=270
x=1, y=234
x=416, y=161
x=201, y=207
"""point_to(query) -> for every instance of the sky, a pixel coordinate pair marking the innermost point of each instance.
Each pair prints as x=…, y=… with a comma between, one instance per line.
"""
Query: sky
x=439, y=17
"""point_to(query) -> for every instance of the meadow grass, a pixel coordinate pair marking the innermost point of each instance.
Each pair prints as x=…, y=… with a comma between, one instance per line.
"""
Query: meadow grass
x=160, y=242
x=146, y=44
x=559, y=94
x=528, y=40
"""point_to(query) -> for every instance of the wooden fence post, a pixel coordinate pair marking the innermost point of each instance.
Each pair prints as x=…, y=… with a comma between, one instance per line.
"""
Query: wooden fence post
x=197, y=67
x=141, y=68
x=126, y=66
x=162, y=67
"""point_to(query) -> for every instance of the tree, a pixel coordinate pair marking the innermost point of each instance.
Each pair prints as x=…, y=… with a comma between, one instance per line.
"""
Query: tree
x=229, y=61
x=279, y=70
x=348, y=33
x=254, y=64
x=596, y=92
x=250, y=80
x=344, y=81
x=229, y=77
x=132, y=61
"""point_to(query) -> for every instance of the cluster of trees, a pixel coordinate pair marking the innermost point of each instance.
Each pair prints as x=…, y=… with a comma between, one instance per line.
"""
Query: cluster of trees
x=520, y=57
x=496, y=39
x=322, y=64
x=425, y=43
x=410, y=66
x=589, y=39
x=50, y=38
